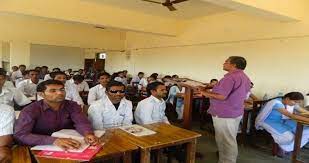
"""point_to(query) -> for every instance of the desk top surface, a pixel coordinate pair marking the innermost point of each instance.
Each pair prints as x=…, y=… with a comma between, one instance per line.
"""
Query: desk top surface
x=21, y=154
x=114, y=145
x=165, y=135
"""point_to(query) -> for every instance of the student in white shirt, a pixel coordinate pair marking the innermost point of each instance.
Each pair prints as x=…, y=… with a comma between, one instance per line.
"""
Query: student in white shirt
x=50, y=75
x=28, y=86
x=18, y=74
x=98, y=92
x=176, y=94
x=10, y=94
x=152, y=109
x=70, y=89
x=78, y=81
x=114, y=110
x=7, y=118
x=25, y=76
x=121, y=78
x=135, y=80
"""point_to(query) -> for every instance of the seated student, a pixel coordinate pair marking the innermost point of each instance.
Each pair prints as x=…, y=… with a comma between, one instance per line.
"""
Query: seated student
x=13, y=68
x=25, y=76
x=121, y=78
x=212, y=83
x=177, y=91
x=79, y=82
x=49, y=76
x=10, y=94
x=18, y=74
x=167, y=80
x=273, y=118
x=28, y=86
x=250, y=97
x=98, y=92
x=152, y=109
x=44, y=71
x=135, y=80
x=7, y=118
x=40, y=119
x=114, y=110
x=70, y=89
x=144, y=82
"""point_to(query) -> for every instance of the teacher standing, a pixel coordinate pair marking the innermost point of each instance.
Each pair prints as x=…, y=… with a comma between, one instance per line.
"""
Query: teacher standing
x=227, y=106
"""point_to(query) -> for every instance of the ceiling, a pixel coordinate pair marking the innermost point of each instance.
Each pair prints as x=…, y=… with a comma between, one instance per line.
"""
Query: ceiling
x=186, y=10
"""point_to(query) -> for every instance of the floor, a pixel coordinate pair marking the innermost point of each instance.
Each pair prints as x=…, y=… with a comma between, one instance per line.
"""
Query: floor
x=257, y=152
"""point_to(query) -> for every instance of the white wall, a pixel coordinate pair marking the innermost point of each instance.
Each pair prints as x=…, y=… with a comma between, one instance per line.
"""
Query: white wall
x=56, y=56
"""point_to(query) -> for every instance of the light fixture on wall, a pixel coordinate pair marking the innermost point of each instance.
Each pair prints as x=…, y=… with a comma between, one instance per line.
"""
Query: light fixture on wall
x=101, y=55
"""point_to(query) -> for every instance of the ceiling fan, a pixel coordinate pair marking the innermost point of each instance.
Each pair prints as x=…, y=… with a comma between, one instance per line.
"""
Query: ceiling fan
x=167, y=3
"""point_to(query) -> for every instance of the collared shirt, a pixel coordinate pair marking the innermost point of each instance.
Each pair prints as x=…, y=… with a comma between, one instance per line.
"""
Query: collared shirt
x=11, y=94
x=28, y=87
x=7, y=118
x=96, y=93
x=135, y=79
x=47, y=77
x=103, y=114
x=142, y=83
x=123, y=80
x=38, y=121
x=83, y=86
x=72, y=93
x=16, y=74
x=150, y=110
x=234, y=86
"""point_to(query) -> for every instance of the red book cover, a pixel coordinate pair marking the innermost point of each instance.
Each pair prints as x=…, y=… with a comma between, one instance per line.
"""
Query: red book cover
x=86, y=155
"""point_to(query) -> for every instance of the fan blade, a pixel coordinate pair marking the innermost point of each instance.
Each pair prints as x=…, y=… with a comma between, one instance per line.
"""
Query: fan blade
x=178, y=1
x=171, y=7
x=152, y=1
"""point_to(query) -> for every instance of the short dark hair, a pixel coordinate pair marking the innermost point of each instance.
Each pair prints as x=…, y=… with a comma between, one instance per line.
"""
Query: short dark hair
x=78, y=78
x=154, y=75
x=114, y=83
x=153, y=86
x=175, y=76
x=43, y=85
x=44, y=67
x=54, y=74
x=212, y=80
x=56, y=68
x=240, y=62
x=140, y=73
x=25, y=72
x=2, y=72
x=294, y=96
x=104, y=74
x=22, y=66
x=33, y=70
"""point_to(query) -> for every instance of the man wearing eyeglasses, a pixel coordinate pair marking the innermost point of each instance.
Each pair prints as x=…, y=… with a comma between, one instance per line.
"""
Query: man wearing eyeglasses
x=40, y=119
x=113, y=111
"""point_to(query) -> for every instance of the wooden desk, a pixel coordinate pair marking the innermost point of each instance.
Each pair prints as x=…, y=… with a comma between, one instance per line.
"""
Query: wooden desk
x=115, y=147
x=21, y=154
x=298, y=137
x=166, y=136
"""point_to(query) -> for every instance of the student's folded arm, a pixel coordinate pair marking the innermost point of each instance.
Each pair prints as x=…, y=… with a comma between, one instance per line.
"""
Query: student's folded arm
x=23, y=132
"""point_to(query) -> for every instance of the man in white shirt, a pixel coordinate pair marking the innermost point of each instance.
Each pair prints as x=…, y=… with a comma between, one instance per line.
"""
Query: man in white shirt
x=50, y=75
x=113, y=111
x=78, y=81
x=7, y=118
x=121, y=78
x=28, y=86
x=135, y=80
x=18, y=74
x=10, y=94
x=98, y=92
x=25, y=76
x=70, y=89
x=152, y=109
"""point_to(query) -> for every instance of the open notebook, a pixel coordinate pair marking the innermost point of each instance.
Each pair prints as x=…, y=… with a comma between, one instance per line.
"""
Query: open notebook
x=68, y=133
x=137, y=130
